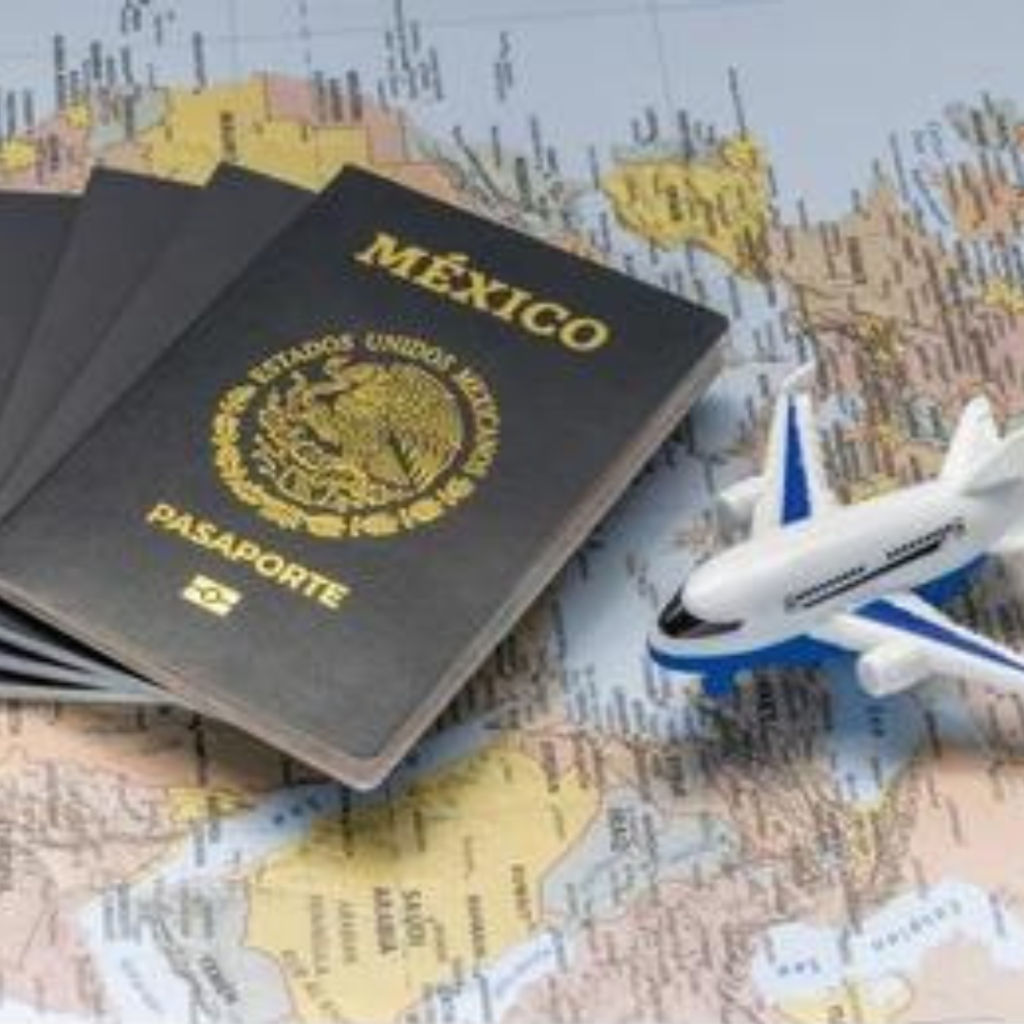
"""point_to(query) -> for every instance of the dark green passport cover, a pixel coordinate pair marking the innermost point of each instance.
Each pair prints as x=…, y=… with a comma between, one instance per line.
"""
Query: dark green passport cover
x=33, y=230
x=229, y=222
x=34, y=227
x=123, y=222
x=318, y=513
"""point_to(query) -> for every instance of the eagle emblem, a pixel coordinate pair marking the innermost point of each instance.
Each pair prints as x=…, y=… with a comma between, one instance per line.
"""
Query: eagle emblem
x=342, y=439
x=365, y=435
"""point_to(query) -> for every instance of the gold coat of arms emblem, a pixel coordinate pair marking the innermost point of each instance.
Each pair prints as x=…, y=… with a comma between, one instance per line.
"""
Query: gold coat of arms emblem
x=356, y=435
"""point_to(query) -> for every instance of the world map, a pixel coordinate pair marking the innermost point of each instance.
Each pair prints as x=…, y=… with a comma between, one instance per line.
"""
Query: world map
x=582, y=836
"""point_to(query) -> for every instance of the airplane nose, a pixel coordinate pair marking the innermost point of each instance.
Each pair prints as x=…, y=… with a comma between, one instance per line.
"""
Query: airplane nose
x=672, y=615
x=699, y=590
x=678, y=621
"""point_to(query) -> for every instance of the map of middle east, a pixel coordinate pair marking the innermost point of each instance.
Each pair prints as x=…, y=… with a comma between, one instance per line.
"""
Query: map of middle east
x=582, y=837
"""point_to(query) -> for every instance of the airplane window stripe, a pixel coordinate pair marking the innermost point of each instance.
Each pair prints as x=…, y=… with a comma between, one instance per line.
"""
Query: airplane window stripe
x=889, y=614
x=809, y=599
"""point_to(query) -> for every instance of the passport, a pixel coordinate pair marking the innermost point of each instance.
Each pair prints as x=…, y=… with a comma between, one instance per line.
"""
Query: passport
x=123, y=222
x=74, y=261
x=320, y=510
x=33, y=230
x=227, y=225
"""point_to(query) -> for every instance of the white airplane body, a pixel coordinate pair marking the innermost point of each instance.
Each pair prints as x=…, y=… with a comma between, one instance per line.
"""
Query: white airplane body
x=816, y=580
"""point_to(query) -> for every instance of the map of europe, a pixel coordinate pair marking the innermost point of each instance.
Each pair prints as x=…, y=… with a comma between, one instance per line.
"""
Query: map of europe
x=582, y=836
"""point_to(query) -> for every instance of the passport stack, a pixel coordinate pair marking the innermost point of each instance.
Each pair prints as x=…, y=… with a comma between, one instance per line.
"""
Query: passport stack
x=300, y=461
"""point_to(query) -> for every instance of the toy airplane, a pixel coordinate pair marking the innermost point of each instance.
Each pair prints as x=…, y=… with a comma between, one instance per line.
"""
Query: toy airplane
x=815, y=580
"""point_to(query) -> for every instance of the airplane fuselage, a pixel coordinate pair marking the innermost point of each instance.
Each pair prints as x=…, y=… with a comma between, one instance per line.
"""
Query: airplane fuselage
x=765, y=594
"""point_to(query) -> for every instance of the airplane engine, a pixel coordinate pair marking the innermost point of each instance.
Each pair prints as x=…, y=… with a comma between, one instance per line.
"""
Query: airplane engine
x=736, y=503
x=892, y=668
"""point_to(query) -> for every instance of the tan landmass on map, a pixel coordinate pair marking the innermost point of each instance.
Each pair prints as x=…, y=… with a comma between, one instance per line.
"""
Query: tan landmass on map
x=959, y=982
x=54, y=158
x=966, y=797
x=719, y=202
x=90, y=800
x=267, y=123
x=17, y=157
x=956, y=797
x=684, y=948
x=874, y=1001
x=868, y=273
x=985, y=204
x=500, y=183
x=168, y=749
x=896, y=320
x=675, y=953
x=371, y=913
x=238, y=124
x=1004, y=295
x=68, y=835
x=900, y=325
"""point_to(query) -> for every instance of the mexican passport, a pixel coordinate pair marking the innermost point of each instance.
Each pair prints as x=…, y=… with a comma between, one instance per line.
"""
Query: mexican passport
x=318, y=507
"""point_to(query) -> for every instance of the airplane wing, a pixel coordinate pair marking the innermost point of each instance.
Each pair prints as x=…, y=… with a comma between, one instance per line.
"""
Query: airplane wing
x=902, y=640
x=793, y=486
x=1011, y=545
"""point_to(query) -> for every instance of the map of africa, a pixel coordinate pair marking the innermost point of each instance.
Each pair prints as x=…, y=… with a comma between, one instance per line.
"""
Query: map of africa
x=582, y=837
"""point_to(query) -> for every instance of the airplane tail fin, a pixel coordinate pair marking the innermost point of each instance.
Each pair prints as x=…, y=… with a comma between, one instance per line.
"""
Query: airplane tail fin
x=1003, y=466
x=975, y=437
x=979, y=459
